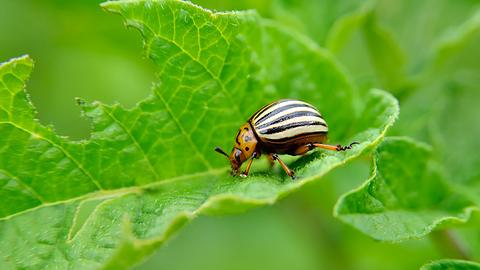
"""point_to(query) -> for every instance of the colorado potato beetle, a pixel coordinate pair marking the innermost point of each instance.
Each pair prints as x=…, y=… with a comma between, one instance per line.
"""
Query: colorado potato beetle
x=287, y=126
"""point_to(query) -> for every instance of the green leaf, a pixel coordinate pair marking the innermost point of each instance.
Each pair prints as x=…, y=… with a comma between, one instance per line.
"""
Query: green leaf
x=111, y=200
x=315, y=18
x=444, y=17
x=453, y=43
x=450, y=87
x=449, y=264
x=406, y=197
x=370, y=50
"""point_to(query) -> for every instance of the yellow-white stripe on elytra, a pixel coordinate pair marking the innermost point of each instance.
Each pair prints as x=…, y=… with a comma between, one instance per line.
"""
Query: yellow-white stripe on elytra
x=293, y=132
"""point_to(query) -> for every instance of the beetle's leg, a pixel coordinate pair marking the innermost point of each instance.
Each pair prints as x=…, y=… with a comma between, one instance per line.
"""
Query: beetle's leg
x=284, y=166
x=303, y=149
x=247, y=169
x=249, y=164
x=271, y=161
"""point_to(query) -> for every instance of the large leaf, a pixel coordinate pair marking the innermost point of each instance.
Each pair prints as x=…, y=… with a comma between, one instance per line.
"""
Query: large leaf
x=109, y=201
x=406, y=197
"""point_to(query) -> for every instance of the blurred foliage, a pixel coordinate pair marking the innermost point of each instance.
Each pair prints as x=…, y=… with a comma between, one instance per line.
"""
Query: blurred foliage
x=425, y=52
x=79, y=51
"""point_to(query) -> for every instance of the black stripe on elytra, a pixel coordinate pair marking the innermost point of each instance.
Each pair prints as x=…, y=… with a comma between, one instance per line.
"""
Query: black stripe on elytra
x=264, y=108
x=292, y=125
x=281, y=109
x=290, y=116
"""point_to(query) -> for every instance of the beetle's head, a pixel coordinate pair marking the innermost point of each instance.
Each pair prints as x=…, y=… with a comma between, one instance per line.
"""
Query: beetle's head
x=236, y=160
x=245, y=145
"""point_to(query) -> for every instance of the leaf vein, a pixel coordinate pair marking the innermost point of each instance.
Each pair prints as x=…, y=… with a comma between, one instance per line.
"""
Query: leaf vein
x=65, y=152
x=184, y=133
x=137, y=144
x=25, y=185
x=114, y=193
x=210, y=72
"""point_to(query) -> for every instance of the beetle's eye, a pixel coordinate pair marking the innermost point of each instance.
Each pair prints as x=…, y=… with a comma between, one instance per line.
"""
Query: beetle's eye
x=237, y=156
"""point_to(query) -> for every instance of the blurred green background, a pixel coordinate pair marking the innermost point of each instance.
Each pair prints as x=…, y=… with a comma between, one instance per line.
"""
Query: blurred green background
x=80, y=51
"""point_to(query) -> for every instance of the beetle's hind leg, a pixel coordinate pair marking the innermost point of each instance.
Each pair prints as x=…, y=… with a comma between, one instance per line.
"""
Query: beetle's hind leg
x=305, y=148
x=284, y=166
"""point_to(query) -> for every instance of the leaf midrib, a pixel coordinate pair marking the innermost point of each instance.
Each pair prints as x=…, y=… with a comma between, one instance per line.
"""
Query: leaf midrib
x=114, y=193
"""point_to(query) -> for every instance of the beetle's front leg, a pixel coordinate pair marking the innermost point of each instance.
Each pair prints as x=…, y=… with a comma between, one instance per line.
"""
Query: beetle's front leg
x=284, y=166
x=249, y=164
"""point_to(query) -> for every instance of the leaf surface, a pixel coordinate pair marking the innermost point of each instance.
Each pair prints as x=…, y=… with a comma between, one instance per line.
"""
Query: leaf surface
x=447, y=264
x=111, y=200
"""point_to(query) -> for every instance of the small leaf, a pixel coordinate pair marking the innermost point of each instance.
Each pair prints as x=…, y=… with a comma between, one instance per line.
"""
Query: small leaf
x=111, y=200
x=406, y=197
x=454, y=42
x=443, y=18
x=448, y=264
x=315, y=18
x=370, y=50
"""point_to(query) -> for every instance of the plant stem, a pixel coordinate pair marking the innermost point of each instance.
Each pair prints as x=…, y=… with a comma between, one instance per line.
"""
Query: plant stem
x=450, y=245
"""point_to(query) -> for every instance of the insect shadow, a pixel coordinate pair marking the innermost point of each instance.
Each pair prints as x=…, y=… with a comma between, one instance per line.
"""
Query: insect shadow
x=304, y=160
x=296, y=165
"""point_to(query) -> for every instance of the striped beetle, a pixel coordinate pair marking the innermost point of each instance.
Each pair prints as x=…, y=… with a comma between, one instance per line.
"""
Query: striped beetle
x=286, y=126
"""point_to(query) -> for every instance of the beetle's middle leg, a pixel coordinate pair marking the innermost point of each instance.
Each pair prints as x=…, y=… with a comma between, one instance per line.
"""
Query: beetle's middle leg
x=271, y=161
x=305, y=148
x=284, y=166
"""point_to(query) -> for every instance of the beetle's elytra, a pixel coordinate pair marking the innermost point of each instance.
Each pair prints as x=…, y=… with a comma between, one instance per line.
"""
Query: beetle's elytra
x=286, y=126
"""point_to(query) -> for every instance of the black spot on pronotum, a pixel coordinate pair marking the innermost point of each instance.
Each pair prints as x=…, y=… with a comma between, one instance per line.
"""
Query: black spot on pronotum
x=247, y=148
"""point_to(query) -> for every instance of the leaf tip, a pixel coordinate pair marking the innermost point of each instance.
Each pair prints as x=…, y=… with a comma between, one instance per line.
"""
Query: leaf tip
x=111, y=6
x=23, y=65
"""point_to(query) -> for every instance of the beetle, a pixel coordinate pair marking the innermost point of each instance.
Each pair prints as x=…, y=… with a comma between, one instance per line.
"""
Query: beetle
x=286, y=126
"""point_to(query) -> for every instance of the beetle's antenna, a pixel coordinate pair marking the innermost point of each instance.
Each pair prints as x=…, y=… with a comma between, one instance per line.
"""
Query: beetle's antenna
x=219, y=150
